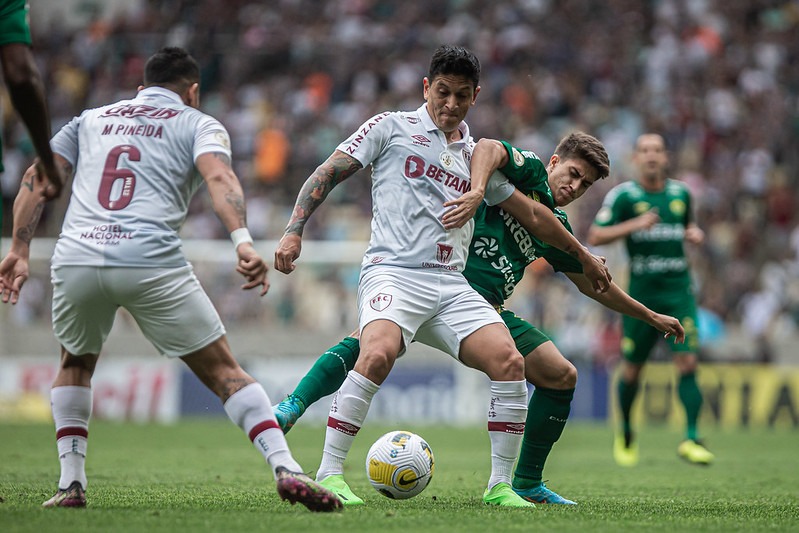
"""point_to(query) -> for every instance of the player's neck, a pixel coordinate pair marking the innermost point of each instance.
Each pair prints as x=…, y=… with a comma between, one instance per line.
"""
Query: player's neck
x=652, y=183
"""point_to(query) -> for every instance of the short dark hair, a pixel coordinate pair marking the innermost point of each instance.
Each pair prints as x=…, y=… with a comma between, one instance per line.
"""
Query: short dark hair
x=171, y=66
x=579, y=145
x=457, y=60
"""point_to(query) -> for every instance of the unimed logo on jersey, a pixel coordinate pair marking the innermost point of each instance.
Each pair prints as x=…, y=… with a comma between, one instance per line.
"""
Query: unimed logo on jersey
x=380, y=302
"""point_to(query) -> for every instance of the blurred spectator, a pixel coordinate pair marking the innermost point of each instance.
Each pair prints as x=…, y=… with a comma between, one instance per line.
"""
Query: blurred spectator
x=719, y=80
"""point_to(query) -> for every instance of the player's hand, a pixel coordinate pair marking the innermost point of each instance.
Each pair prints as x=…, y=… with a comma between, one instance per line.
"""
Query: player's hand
x=694, y=235
x=53, y=177
x=14, y=273
x=597, y=272
x=648, y=219
x=252, y=267
x=670, y=327
x=463, y=209
x=288, y=250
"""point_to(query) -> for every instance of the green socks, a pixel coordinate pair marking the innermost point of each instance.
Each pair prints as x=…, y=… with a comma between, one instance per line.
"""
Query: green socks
x=626, y=394
x=329, y=371
x=691, y=398
x=546, y=417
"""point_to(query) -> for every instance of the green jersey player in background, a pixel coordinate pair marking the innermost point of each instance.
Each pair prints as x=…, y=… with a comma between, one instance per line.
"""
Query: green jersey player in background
x=500, y=250
x=653, y=214
x=26, y=89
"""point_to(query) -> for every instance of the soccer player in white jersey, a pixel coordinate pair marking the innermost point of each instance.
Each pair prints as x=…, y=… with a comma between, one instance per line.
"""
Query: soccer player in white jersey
x=137, y=164
x=411, y=285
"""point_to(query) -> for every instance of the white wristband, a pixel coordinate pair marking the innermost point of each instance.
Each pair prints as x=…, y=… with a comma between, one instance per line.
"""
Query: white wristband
x=240, y=236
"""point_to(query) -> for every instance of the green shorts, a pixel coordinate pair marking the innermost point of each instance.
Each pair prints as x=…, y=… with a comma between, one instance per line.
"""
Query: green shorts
x=639, y=337
x=526, y=336
x=14, y=22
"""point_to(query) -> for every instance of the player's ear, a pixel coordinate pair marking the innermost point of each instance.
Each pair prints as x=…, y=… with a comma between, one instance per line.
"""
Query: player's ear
x=476, y=91
x=193, y=95
x=426, y=87
x=554, y=160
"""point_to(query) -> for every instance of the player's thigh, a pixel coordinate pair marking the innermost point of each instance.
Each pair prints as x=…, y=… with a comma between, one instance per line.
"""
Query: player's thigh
x=544, y=365
x=171, y=308
x=82, y=311
x=684, y=309
x=638, y=339
x=401, y=296
x=460, y=313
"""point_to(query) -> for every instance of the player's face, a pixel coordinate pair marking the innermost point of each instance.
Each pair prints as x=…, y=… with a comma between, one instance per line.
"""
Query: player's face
x=650, y=156
x=448, y=100
x=569, y=179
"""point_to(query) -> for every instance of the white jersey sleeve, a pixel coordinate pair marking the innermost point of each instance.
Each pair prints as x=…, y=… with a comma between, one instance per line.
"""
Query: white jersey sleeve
x=498, y=188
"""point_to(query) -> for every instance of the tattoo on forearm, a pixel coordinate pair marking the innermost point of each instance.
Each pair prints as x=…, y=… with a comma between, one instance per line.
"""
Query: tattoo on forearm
x=28, y=183
x=25, y=234
x=222, y=157
x=336, y=169
x=237, y=201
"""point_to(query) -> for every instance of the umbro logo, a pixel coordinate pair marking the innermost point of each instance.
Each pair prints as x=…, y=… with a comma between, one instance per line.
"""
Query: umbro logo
x=421, y=140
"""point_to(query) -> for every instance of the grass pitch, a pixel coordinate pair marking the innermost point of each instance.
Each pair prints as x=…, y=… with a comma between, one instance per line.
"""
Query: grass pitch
x=206, y=476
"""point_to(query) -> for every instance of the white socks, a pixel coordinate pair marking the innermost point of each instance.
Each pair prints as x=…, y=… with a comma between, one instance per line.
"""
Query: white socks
x=72, y=407
x=506, y=417
x=250, y=409
x=347, y=413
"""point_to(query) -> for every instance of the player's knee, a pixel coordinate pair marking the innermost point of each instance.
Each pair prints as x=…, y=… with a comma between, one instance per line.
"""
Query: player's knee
x=374, y=365
x=568, y=378
x=507, y=368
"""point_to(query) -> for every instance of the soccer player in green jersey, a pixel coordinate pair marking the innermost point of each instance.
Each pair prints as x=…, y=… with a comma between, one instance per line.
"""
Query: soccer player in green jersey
x=653, y=214
x=499, y=252
x=26, y=89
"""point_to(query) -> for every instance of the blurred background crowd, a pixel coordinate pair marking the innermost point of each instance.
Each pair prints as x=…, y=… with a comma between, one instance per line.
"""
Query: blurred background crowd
x=290, y=79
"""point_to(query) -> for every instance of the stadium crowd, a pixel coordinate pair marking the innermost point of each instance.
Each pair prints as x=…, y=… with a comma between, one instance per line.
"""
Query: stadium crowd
x=290, y=78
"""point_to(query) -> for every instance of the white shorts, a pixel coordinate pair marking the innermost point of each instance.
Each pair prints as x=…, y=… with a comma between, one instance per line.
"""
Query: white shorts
x=434, y=308
x=169, y=305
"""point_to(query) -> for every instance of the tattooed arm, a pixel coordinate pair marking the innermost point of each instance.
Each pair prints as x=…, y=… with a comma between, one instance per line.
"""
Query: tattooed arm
x=28, y=207
x=227, y=199
x=338, y=167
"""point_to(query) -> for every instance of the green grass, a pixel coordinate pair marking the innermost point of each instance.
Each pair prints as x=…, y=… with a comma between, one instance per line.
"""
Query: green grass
x=206, y=476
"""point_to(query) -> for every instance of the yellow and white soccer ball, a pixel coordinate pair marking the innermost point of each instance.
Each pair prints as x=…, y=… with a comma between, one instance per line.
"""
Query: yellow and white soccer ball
x=400, y=464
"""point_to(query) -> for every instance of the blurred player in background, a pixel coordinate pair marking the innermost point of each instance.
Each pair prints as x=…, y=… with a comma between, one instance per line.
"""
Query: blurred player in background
x=25, y=86
x=653, y=214
x=499, y=253
x=137, y=164
x=411, y=285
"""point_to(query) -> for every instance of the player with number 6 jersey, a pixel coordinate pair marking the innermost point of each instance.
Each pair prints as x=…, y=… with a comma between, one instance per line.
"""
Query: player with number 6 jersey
x=136, y=176
x=137, y=164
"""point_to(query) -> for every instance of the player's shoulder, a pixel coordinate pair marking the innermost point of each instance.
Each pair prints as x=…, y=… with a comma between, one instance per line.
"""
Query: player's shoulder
x=519, y=157
x=625, y=189
x=676, y=187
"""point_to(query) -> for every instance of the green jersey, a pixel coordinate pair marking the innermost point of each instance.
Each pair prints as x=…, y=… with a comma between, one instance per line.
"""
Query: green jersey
x=501, y=248
x=657, y=257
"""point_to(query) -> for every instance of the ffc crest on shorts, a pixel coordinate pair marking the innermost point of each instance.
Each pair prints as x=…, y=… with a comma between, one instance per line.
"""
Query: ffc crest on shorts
x=380, y=302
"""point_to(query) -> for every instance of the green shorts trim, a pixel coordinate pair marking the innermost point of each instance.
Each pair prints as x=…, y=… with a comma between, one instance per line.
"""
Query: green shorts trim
x=14, y=22
x=526, y=336
x=639, y=337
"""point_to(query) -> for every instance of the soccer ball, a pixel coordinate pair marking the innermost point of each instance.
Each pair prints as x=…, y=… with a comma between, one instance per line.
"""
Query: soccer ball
x=400, y=464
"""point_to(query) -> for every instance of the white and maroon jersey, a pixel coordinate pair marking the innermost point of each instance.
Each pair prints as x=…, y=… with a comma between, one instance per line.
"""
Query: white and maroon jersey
x=134, y=177
x=414, y=171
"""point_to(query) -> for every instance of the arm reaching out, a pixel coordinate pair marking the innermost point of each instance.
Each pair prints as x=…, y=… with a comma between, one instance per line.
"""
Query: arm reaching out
x=28, y=207
x=338, y=167
x=599, y=235
x=488, y=156
x=541, y=222
x=227, y=199
x=621, y=302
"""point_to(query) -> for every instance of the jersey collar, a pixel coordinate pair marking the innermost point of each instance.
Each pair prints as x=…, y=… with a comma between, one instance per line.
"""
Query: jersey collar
x=429, y=125
x=160, y=91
